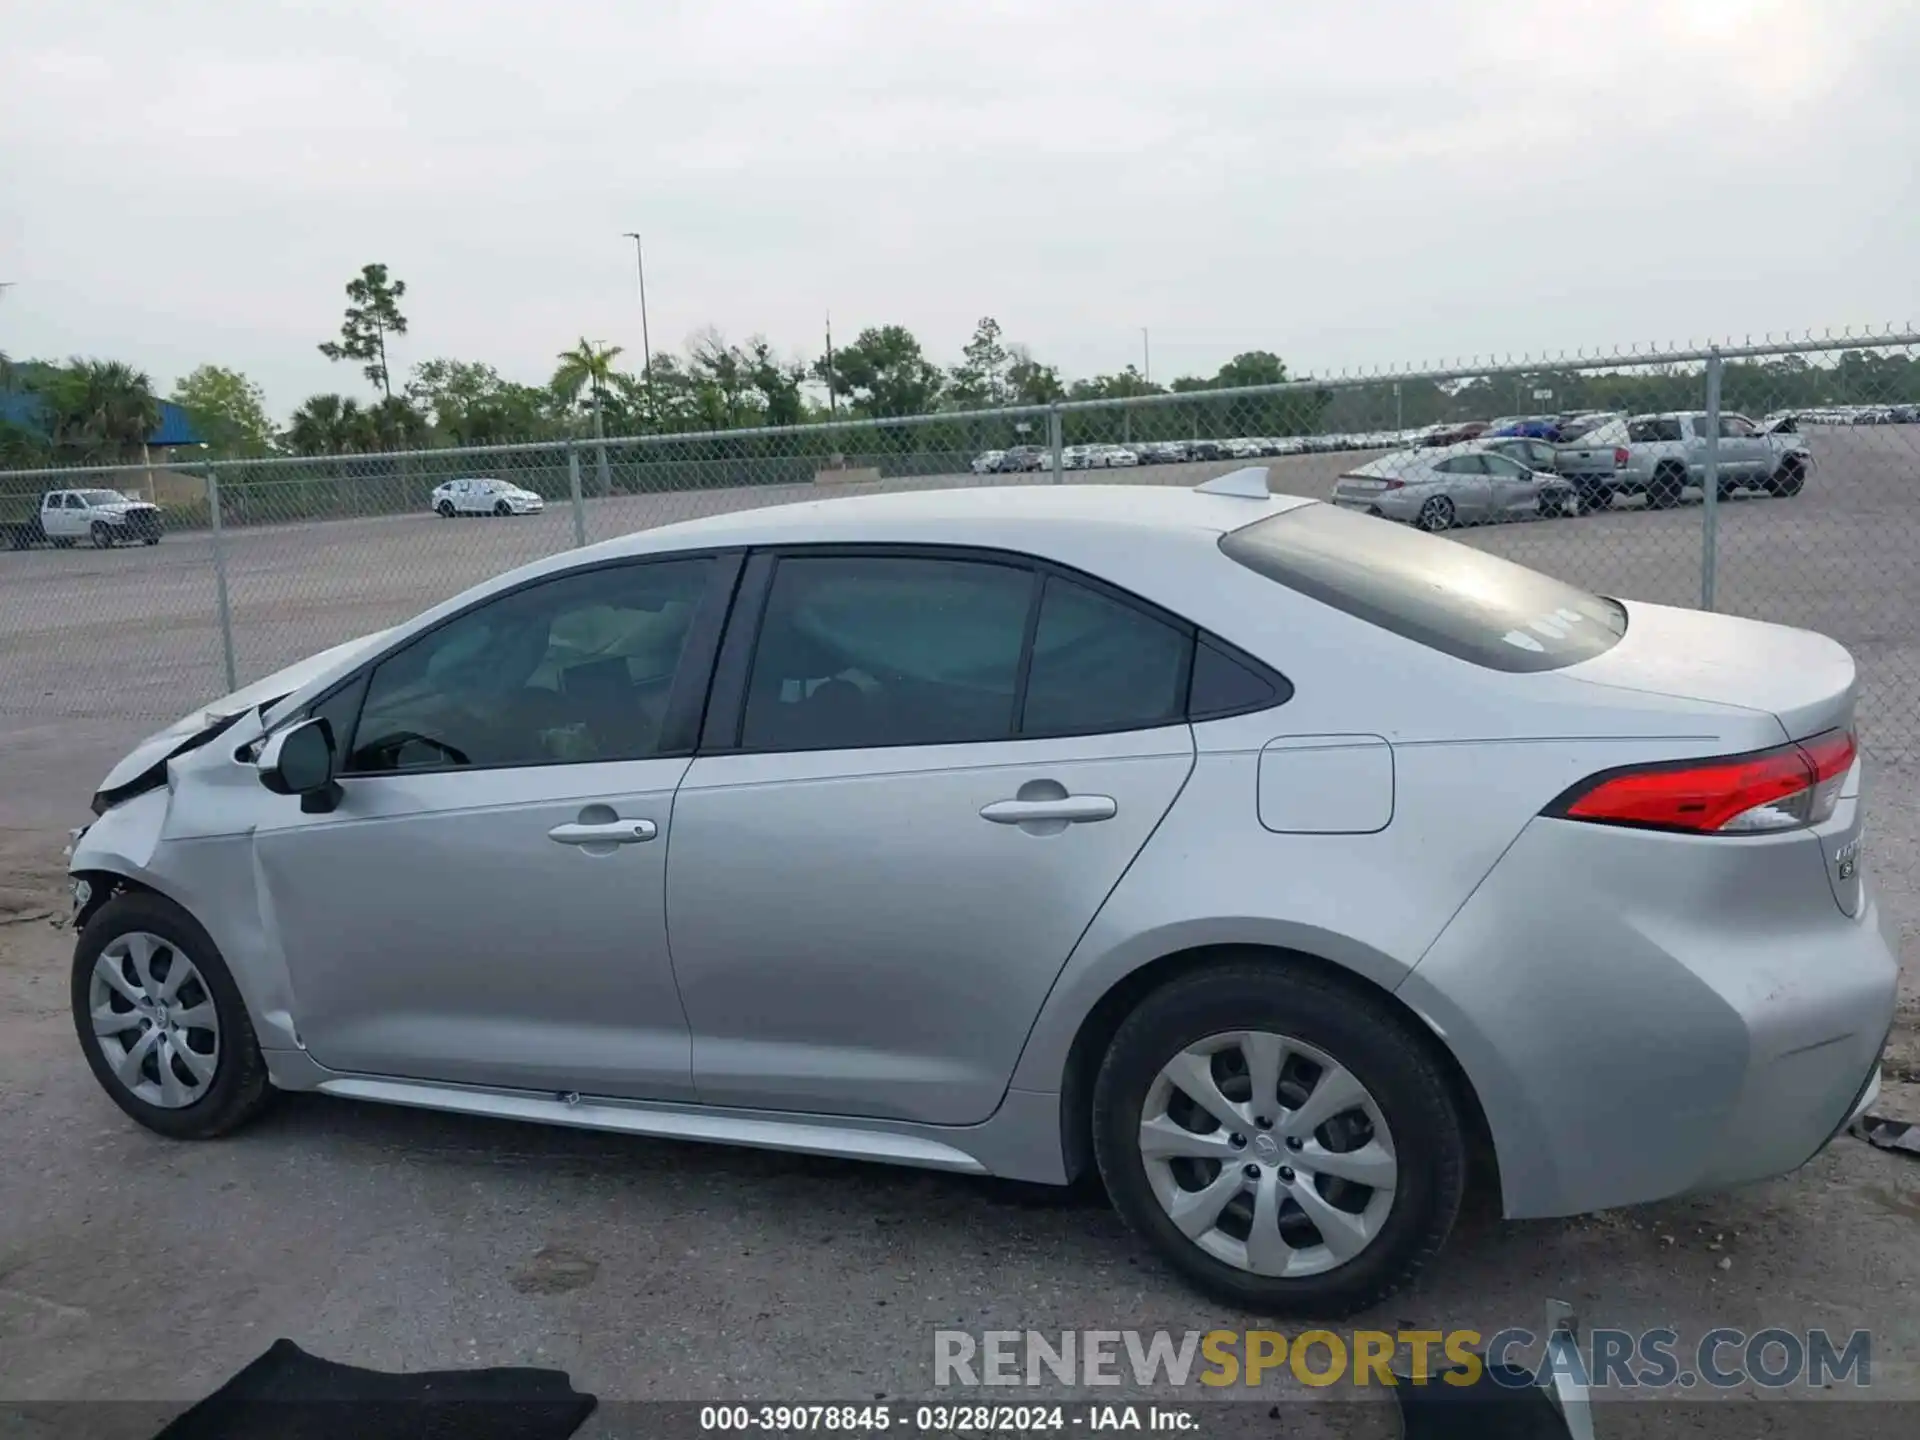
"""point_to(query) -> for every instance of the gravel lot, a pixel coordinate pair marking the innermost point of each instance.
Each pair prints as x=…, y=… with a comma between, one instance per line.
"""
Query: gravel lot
x=135, y=1269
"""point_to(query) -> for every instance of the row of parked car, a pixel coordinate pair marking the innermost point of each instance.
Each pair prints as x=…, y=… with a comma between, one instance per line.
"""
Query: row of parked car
x=1530, y=466
x=1509, y=467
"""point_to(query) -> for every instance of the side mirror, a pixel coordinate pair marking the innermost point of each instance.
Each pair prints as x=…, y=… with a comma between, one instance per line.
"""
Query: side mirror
x=300, y=761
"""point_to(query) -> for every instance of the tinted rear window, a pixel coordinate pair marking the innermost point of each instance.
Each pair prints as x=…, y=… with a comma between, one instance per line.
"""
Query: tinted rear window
x=1436, y=592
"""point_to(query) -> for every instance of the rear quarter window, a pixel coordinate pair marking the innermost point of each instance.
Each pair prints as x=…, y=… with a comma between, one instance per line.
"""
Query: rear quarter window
x=1435, y=592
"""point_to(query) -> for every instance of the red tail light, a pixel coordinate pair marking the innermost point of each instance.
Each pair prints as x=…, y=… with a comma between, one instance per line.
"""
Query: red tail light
x=1394, y=485
x=1620, y=457
x=1781, y=789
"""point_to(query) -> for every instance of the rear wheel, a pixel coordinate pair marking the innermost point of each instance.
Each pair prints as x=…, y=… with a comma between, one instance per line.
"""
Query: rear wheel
x=162, y=1023
x=1663, y=492
x=1284, y=1141
x=1436, y=515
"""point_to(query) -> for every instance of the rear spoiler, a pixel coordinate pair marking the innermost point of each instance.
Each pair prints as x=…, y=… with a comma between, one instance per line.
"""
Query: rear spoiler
x=1248, y=484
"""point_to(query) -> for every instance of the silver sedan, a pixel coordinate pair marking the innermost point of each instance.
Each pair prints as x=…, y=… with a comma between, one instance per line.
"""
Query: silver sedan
x=1214, y=842
x=1473, y=483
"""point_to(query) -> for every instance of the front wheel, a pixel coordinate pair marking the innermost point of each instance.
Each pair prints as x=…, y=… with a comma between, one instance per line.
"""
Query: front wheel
x=444, y=509
x=1283, y=1140
x=102, y=535
x=161, y=1022
x=1790, y=480
x=1436, y=515
x=503, y=509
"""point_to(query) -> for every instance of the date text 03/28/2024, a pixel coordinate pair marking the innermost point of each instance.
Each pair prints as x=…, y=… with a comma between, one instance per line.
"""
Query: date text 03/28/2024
x=945, y=1419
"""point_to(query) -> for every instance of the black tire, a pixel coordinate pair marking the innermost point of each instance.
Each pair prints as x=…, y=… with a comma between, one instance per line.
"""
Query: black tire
x=444, y=509
x=1436, y=516
x=1791, y=479
x=151, y=540
x=1597, y=499
x=1361, y=1033
x=101, y=534
x=1663, y=491
x=502, y=509
x=240, y=1090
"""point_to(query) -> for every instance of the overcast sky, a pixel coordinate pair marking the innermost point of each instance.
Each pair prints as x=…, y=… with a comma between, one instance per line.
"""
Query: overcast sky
x=1352, y=185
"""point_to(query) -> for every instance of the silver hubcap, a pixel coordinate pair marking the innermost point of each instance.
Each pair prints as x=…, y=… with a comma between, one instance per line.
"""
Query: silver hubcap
x=155, y=1019
x=1268, y=1154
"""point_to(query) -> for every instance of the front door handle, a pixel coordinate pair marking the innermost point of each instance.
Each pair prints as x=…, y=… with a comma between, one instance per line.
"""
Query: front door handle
x=612, y=832
x=1072, y=809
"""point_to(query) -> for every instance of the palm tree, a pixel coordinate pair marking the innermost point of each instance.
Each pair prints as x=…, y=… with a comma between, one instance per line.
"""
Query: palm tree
x=585, y=367
x=99, y=411
x=328, y=425
x=589, y=366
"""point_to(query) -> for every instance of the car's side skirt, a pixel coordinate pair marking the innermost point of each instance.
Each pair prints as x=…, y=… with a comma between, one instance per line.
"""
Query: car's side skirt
x=808, y=1136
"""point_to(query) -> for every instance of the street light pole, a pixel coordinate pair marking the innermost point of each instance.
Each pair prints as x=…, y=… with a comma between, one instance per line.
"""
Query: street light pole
x=646, y=343
x=1146, y=356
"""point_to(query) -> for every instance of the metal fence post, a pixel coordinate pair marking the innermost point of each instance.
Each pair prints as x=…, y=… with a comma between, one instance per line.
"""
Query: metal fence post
x=1053, y=439
x=220, y=577
x=1710, y=486
x=573, y=494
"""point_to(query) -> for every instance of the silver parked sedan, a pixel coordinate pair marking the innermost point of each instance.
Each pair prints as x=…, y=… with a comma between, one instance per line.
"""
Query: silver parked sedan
x=1215, y=842
x=1472, y=483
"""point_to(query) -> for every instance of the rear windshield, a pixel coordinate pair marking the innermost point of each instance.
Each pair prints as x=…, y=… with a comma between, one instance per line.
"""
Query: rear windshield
x=1436, y=592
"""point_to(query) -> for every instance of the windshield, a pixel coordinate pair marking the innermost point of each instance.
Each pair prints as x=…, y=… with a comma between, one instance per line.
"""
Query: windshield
x=1439, y=593
x=102, y=497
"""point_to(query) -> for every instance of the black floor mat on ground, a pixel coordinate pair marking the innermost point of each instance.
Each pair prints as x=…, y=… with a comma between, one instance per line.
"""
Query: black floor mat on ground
x=1484, y=1410
x=288, y=1394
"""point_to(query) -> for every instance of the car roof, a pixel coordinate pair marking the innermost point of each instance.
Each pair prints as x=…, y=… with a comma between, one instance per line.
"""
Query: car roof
x=1014, y=516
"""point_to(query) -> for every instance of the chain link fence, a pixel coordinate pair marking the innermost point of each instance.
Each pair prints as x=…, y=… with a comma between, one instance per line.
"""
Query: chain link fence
x=1777, y=481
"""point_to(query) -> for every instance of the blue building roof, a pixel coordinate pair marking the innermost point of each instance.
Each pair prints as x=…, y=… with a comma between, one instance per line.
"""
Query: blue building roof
x=23, y=409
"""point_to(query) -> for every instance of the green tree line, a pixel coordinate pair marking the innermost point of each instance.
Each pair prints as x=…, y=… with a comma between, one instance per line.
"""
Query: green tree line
x=94, y=411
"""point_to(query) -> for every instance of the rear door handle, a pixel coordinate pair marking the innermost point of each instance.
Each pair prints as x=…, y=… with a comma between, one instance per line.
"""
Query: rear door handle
x=613, y=832
x=1074, y=809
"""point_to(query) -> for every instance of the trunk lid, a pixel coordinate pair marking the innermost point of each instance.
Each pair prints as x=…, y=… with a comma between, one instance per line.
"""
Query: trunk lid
x=1804, y=680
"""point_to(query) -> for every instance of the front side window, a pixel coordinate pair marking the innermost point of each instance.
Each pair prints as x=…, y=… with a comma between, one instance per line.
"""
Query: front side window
x=1735, y=427
x=574, y=669
x=857, y=651
x=1506, y=468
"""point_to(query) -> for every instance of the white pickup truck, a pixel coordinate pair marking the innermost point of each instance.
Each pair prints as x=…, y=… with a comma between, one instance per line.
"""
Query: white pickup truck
x=62, y=518
x=1662, y=456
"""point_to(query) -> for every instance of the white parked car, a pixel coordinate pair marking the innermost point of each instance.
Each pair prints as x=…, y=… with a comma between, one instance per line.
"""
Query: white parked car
x=986, y=462
x=484, y=497
x=106, y=517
